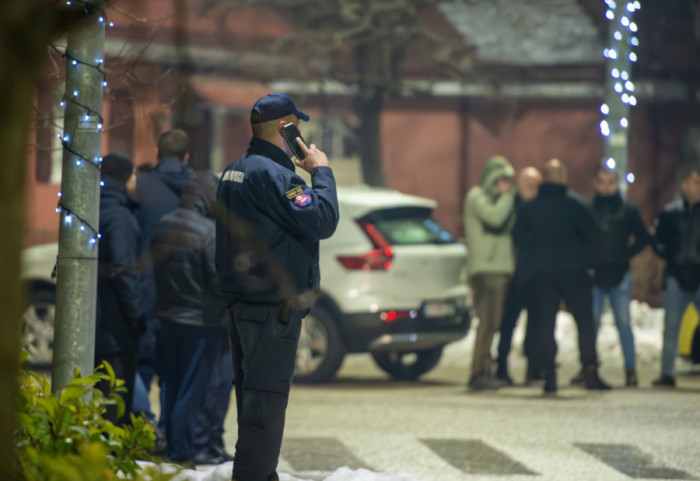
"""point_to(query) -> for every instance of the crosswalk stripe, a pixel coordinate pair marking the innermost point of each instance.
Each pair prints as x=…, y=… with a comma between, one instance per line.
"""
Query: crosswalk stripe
x=632, y=461
x=476, y=457
x=318, y=454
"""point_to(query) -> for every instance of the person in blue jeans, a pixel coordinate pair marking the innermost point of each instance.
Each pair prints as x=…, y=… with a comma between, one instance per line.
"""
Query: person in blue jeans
x=621, y=235
x=677, y=241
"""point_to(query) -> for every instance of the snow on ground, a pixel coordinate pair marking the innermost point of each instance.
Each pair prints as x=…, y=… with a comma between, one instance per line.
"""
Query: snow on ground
x=647, y=325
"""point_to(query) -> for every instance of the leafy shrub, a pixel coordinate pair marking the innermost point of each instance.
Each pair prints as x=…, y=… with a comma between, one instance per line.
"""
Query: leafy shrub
x=64, y=436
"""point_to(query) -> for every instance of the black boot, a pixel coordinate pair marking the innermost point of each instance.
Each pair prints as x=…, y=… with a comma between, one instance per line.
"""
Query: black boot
x=550, y=381
x=592, y=380
x=631, y=378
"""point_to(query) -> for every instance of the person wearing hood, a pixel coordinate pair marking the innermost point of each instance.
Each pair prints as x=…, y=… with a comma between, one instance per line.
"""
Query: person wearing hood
x=192, y=341
x=622, y=235
x=119, y=315
x=554, y=234
x=158, y=192
x=488, y=219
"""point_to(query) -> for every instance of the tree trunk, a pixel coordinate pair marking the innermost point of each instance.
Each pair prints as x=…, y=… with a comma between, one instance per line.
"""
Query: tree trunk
x=22, y=52
x=369, y=111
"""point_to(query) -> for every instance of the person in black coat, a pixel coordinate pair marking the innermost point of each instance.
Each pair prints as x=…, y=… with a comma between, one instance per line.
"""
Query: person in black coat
x=193, y=340
x=677, y=240
x=554, y=233
x=119, y=317
x=622, y=235
x=528, y=184
x=158, y=192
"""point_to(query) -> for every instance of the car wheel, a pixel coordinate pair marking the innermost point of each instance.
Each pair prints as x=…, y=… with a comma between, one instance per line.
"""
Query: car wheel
x=38, y=327
x=321, y=349
x=408, y=366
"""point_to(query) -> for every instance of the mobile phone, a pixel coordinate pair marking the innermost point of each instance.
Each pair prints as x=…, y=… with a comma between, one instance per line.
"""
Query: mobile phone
x=290, y=132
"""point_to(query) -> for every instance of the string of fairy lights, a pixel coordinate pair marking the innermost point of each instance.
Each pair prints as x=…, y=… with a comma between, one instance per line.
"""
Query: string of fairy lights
x=89, y=119
x=620, y=56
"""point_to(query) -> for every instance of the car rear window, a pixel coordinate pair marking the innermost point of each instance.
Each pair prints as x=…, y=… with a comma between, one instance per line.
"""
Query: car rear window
x=409, y=226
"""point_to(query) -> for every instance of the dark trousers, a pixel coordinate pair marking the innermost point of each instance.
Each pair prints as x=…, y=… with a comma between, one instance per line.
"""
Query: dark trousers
x=188, y=355
x=547, y=291
x=517, y=299
x=263, y=364
x=209, y=428
x=124, y=364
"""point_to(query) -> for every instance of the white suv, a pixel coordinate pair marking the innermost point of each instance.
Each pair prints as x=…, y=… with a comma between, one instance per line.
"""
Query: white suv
x=393, y=283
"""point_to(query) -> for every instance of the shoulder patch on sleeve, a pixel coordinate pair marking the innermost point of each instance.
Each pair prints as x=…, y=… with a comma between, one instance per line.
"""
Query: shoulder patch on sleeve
x=292, y=193
x=302, y=200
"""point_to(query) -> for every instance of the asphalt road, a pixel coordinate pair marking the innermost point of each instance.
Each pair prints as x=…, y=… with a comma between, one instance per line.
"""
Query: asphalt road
x=434, y=429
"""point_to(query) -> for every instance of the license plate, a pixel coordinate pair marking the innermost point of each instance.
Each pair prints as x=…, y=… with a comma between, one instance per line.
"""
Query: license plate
x=439, y=309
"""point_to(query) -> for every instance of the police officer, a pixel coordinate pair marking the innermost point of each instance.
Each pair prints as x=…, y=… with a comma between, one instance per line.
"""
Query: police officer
x=268, y=234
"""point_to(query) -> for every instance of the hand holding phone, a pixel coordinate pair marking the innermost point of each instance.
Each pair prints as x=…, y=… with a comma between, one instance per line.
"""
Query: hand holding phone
x=290, y=132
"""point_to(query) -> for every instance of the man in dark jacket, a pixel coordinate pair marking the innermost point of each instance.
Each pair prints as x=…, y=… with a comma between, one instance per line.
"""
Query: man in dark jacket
x=528, y=183
x=119, y=318
x=267, y=242
x=192, y=338
x=677, y=241
x=622, y=235
x=553, y=234
x=157, y=193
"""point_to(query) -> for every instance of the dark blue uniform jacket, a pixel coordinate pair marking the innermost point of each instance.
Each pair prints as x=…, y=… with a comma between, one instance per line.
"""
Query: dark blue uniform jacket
x=269, y=227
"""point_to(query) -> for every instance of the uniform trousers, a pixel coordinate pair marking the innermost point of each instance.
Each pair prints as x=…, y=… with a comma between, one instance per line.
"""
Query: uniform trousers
x=264, y=355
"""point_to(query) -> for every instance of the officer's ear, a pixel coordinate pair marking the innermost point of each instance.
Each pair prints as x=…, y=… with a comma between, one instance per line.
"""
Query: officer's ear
x=281, y=124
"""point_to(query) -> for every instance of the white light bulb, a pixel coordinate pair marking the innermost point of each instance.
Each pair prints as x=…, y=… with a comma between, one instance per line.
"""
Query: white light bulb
x=69, y=219
x=633, y=100
x=101, y=19
x=630, y=7
x=78, y=163
x=634, y=41
x=637, y=4
x=617, y=36
x=82, y=228
x=610, y=15
x=633, y=27
x=633, y=57
x=66, y=138
x=610, y=163
x=624, y=123
x=99, y=126
x=624, y=75
x=99, y=236
x=75, y=93
x=74, y=62
x=111, y=24
x=604, y=109
x=630, y=178
x=63, y=103
x=612, y=53
x=625, y=98
x=102, y=183
x=615, y=73
x=618, y=87
x=625, y=21
x=629, y=85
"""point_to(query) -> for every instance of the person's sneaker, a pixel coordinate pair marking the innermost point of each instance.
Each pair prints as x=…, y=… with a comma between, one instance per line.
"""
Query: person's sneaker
x=207, y=458
x=578, y=379
x=505, y=378
x=631, y=378
x=664, y=381
x=485, y=382
x=593, y=381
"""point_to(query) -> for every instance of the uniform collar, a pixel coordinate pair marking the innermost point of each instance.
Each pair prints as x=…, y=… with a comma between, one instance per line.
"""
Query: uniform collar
x=262, y=147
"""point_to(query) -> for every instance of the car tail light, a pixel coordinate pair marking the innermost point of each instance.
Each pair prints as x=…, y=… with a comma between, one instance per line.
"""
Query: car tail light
x=378, y=259
x=393, y=316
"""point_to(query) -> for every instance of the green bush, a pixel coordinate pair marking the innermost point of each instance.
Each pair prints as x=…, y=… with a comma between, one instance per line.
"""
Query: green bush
x=64, y=436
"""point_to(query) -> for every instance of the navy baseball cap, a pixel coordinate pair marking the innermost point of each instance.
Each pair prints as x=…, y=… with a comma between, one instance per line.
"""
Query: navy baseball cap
x=274, y=106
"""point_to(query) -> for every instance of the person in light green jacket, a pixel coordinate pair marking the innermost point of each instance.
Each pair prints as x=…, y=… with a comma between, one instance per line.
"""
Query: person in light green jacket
x=488, y=220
